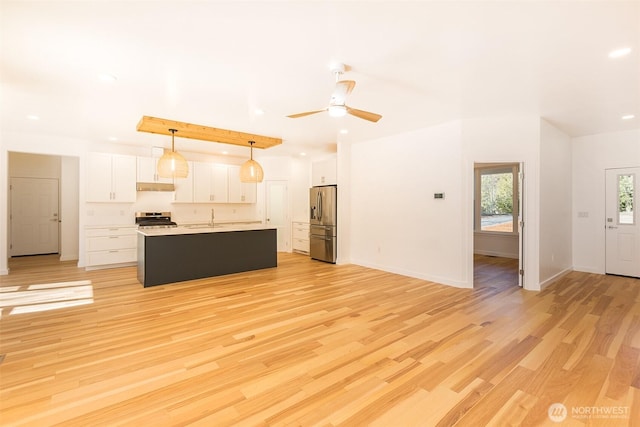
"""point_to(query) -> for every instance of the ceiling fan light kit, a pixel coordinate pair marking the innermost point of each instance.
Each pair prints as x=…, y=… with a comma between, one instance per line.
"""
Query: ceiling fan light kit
x=172, y=164
x=337, y=104
x=251, y=171
x=337, y=110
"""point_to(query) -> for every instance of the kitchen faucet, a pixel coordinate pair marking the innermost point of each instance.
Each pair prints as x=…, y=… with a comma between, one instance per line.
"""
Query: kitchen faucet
x=212, y=217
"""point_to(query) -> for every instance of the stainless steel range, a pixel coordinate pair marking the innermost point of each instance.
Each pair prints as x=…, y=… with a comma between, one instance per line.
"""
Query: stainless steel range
x=154, y=220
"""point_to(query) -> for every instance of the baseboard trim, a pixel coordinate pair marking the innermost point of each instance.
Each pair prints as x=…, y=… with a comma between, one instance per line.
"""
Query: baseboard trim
x=435, y=279
x=497, y=254
x=555, y=277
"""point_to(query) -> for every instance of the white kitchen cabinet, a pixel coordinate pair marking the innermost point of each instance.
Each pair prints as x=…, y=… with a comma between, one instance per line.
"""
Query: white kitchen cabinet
x=300, y=237
x=111, y=178
x=148, y=171
x=184, y=187
x=240, y=192
x=110, y=246
x=324, y=172
x=210, y=182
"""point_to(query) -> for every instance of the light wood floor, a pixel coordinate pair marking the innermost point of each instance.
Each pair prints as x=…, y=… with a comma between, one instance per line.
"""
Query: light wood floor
x=310, y=343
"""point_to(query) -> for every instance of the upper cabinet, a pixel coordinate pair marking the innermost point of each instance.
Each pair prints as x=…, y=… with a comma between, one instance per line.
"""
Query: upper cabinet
x=111, y=178
x=240, y=192
x=324, y=172
x=184, y=187
x=148, y=171
x=210, y=183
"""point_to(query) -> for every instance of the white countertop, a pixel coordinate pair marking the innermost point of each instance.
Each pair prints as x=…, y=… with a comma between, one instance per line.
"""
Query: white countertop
x=200, y=229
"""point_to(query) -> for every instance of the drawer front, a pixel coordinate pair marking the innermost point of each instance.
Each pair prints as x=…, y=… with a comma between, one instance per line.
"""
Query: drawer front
x=300, y=232
x=111, y=231
x=111, y=242
x=111, y=257
x=301, y=245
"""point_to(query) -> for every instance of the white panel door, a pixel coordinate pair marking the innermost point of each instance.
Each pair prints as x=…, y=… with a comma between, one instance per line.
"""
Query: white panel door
x=622, y=222
x=277, y=209
x=34, y=216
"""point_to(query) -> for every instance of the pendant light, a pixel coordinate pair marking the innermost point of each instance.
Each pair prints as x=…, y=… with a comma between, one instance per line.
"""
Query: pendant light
x=251, y=171
x=172, y=164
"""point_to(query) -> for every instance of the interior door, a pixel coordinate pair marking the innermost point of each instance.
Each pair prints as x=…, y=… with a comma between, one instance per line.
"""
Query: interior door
x=622, y=226
x=520, y=193
x=34, y=216
x=277, y=210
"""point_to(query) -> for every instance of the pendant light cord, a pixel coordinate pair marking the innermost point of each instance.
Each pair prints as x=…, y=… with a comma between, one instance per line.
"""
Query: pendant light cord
x=251, y=144
x=173, y=134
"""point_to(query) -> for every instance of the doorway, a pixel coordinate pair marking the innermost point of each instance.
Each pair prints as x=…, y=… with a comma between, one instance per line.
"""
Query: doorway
x=277, y=211
x=497, y=226
x=34, y=216
x=65, y=170
x=622, y=226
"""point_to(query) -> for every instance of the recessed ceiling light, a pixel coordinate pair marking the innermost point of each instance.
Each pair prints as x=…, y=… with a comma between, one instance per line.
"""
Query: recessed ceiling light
x=627, y=117
x=258, y=112
x=106, y=77
x=344, y=131
x=112, y=138
x=619, y=52
x=225, y=152
x=303, y=154
x=33, y=117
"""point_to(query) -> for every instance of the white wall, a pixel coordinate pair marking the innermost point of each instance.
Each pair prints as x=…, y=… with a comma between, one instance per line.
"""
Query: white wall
x=396, y=224
x=503, y=245
x=511, y=139
x=343, y=177
x=591, y=155
x=300, y=183
x=555, y=203
x=69, y=207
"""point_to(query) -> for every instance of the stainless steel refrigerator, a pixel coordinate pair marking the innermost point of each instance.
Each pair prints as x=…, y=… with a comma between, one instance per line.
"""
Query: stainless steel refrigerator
x=322, y=227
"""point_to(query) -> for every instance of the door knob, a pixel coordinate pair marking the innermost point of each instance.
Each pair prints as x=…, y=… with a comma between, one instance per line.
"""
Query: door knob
x=611, y=226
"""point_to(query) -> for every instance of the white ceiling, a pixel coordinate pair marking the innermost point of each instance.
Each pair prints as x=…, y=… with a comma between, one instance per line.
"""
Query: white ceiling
x=213, y=63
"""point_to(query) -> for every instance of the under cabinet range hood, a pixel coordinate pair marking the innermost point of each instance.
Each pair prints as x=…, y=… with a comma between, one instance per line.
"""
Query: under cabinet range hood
x=154, y=186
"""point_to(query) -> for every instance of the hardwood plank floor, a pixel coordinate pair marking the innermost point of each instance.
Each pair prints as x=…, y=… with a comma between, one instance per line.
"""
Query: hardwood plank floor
x=310, y=343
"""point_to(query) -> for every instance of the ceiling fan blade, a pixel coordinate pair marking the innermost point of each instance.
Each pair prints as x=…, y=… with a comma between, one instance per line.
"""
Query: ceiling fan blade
x=343, y=88
x=308, y=113
x=372, y=117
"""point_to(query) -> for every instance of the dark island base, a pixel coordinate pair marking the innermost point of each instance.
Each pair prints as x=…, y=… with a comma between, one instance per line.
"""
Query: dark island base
x=176, y=258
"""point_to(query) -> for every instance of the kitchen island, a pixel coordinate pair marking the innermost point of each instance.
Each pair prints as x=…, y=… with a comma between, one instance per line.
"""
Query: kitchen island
x=168, y=255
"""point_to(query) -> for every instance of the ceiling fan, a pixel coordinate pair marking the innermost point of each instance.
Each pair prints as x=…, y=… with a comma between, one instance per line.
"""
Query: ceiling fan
x=337, y=106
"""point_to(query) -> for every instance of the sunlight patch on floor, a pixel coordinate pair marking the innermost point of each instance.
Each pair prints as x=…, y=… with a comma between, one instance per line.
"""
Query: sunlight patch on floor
x=44, y=297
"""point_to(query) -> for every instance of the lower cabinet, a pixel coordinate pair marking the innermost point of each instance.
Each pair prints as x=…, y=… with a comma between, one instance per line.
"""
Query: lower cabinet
x=300, y=237
x=110, y=246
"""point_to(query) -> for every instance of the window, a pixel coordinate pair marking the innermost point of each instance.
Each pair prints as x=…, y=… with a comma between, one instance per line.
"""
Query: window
x=625, y=199
x=496, y=196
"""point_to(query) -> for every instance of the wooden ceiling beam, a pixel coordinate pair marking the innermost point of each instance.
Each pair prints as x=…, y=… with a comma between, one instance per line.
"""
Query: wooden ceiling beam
x=204, y=133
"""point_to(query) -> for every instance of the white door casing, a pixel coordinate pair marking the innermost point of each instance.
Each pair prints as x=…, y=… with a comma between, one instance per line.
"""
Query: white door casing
x=34, y=216
x=521, y=225
x=277, y=211
x=622, y=222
